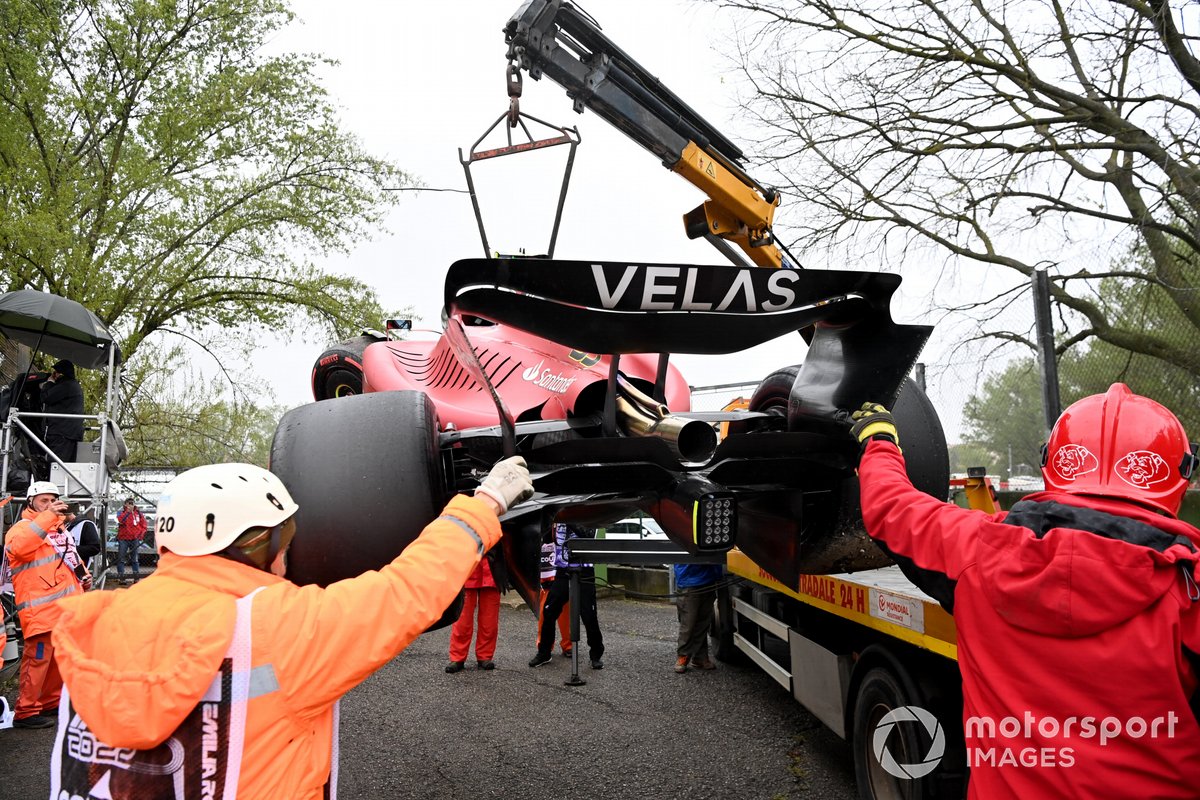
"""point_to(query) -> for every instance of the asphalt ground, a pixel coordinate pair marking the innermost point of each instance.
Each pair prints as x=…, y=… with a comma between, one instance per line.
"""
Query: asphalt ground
x=635, y=730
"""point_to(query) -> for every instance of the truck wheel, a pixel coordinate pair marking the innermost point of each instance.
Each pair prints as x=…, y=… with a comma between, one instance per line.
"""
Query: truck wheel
x=900, y=766
x=722, y=629
x=338, y=371
x=366, y=473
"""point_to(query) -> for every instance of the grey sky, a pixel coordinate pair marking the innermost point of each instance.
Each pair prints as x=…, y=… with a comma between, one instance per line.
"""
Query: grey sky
x=417, y=81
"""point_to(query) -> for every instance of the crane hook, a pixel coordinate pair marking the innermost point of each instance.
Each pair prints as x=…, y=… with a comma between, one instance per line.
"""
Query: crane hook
x=514, y=94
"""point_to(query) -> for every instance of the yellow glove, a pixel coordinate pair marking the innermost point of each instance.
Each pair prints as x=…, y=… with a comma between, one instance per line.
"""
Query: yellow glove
x=873, y=421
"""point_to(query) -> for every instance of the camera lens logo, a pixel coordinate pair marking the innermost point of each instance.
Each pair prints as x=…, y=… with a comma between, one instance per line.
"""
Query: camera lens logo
x=909, y=714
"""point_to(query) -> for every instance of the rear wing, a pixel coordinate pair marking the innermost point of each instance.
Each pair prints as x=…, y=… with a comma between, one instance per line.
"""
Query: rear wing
x=857, y=350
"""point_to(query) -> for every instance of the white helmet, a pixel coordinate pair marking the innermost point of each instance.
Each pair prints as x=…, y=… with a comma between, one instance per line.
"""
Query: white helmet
x=42, y=487
x=205, y=509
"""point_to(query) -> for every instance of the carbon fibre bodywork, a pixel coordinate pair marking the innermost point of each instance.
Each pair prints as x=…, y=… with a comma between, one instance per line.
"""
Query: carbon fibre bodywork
x=539, y=355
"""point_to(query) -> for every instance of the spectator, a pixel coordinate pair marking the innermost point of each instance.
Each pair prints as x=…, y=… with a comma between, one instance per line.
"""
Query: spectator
x=25, y=392
x=39, y=554
x=1079, y=603
x=695, y=594
x=24, y=463
x=218, y=665
x=547, y=578
x=560, y=593
x=62, y=394
x=482, y=592
x=131, y=529
x=86, y=535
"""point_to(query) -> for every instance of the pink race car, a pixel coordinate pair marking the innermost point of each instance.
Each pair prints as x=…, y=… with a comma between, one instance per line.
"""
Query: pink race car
x=566, y=364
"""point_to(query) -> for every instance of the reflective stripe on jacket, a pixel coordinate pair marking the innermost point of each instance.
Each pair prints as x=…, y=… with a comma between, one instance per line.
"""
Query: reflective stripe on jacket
x=40, y=575
x=137, y=661
x=202, y=757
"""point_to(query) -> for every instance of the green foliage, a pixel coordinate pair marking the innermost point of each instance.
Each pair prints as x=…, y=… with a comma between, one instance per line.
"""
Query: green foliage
x=181, y=433
x=1093, y=370
x=965, y=455
x=1008, y=412
x=1006, y=418
x=1146, y=306
x=162, y=169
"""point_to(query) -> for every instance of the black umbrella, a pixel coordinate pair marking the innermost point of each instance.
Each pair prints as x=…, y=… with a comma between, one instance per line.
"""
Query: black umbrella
x=57, y=326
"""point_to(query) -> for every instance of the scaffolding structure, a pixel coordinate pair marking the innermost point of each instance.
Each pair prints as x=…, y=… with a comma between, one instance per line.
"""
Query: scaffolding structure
x=62, y=328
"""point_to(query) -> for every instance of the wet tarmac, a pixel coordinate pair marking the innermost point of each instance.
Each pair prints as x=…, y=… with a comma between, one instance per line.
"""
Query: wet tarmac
x=634, y=730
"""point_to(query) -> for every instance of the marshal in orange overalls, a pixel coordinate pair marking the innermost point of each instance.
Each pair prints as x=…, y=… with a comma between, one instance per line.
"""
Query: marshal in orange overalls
x=41, y=578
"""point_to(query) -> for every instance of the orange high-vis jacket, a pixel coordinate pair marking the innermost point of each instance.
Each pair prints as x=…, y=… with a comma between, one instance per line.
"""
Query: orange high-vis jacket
x=137, y=661
x=40, y=576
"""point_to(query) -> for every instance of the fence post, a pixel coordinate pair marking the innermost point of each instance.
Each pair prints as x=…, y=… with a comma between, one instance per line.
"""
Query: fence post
x=1047, y=361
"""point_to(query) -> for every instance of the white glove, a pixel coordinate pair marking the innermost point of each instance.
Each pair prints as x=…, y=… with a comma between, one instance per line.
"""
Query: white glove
x=508, y=483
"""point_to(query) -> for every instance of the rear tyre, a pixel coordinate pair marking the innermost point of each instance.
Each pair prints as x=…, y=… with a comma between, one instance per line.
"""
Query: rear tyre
x=773, y=393
x=833, y=538
x=771, y=397
x=367, y=476
x=926, y=456
x=338, y=372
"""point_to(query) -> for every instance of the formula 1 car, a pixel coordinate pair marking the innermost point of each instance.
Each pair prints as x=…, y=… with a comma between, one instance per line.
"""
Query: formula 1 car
x=547, y=359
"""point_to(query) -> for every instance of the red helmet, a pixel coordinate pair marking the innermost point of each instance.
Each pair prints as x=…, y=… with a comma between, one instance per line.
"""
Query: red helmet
x=1119, y=444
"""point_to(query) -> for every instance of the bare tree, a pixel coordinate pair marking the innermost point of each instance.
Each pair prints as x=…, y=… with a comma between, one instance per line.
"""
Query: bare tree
x=190, y=421
x=1005, y=132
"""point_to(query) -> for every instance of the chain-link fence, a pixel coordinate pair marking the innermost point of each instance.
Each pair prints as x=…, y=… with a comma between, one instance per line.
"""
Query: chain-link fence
x=988, y=385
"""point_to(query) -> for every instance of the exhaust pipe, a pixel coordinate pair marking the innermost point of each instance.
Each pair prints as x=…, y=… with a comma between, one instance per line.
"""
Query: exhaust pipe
x=690, y=440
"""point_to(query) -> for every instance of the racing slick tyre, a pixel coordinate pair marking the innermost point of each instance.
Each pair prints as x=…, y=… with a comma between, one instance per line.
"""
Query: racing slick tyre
x=772, y=394
x=771, y=397
x=833, y=538
x=338, y=372
x=927, y=462
x=366, y=473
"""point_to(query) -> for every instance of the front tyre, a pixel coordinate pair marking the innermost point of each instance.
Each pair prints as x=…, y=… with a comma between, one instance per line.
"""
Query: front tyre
x=338, y=372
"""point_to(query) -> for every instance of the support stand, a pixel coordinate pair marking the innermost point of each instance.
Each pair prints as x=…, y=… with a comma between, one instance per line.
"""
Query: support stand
x=619, y=551
x=574, y=680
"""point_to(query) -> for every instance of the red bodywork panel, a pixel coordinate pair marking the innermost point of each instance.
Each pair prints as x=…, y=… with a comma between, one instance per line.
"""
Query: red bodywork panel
x=526, y=370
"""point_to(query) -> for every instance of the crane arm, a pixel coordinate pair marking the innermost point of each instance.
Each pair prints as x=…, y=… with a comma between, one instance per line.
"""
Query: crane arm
x=557, y=39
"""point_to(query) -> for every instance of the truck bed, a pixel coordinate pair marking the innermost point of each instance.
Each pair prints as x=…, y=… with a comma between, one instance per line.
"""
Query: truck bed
x=882, y=599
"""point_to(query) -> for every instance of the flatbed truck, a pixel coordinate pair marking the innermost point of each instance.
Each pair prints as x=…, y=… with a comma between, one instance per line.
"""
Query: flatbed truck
x=853, y=649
